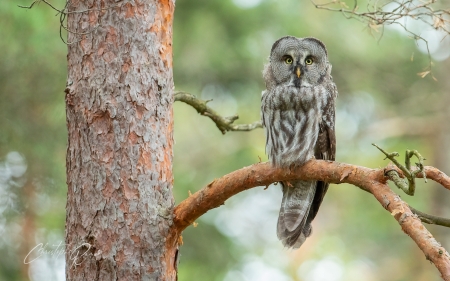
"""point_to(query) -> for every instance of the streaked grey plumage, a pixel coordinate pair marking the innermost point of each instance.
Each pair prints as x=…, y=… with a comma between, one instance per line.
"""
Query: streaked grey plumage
x=298, y=112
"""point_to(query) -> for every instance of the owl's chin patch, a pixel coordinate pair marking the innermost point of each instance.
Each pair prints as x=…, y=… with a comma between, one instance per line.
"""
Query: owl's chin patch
x=300, y=83
x=297, y=82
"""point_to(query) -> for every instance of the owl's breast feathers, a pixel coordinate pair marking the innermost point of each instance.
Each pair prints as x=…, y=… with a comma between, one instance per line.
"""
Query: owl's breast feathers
x=292, y=117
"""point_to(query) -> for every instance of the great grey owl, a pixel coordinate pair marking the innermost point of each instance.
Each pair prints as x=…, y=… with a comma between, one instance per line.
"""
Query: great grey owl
x=298, y=109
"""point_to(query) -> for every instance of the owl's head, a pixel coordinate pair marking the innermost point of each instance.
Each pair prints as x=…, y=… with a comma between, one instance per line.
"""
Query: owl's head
x=299, y=62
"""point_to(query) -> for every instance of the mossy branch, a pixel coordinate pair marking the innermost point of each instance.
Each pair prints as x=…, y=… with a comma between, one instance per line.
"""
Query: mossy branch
x=408, y=187
x=223, y=123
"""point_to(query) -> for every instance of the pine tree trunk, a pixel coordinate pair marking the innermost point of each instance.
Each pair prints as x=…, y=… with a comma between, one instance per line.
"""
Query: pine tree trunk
x=119, y=99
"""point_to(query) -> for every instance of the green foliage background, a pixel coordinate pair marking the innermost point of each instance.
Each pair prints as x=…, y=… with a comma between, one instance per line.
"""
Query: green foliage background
x=220, y=48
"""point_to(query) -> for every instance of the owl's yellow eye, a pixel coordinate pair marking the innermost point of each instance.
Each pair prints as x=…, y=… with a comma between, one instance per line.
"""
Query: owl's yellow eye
x=309, y=61
x=289, y=60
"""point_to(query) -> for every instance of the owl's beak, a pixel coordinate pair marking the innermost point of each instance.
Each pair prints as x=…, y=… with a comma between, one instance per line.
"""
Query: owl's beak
x=297, y=71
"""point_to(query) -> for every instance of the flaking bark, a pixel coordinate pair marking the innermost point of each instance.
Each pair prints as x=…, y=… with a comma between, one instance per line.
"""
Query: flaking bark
x=119, y=99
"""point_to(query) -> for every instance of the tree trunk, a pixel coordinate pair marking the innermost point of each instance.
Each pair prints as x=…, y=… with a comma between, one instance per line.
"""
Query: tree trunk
x=119, y=99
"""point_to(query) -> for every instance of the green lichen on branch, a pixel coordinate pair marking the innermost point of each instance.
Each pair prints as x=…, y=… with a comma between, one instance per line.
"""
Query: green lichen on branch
x=223, y=123
x=409, y=155
x=409, y=186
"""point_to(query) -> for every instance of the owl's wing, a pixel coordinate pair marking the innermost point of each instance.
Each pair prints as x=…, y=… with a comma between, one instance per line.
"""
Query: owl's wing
x=325, y=149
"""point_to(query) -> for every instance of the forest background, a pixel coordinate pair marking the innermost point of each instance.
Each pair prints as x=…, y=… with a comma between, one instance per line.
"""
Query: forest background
x=220, y=48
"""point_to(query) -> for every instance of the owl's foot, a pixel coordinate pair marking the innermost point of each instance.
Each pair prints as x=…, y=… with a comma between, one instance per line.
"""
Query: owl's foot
x=409, y=186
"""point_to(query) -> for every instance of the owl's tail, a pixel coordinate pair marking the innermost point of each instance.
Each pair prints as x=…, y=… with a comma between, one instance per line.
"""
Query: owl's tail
x=294, y=224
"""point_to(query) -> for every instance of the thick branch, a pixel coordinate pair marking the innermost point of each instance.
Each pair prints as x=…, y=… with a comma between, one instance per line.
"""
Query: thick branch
x=373, y=181
x=223, y=123
x=437, y=176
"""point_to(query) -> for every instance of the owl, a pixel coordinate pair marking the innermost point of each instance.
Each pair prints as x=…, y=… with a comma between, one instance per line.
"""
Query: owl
x=298, y=113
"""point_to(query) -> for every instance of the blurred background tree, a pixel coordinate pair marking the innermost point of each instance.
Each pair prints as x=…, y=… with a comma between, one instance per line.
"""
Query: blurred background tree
x=220, y=48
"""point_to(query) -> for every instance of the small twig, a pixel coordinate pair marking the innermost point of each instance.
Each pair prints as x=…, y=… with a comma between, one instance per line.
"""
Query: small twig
x=398, y=181
x=62, y=18
x=393, y=175
x=37, y=2
x=411, y=153
x=425, y=11
x=426, y=218
x=409, y=187
x=223, y=123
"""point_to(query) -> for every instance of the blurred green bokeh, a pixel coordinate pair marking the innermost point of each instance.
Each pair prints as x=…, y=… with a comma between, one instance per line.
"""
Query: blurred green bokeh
x=220, y=48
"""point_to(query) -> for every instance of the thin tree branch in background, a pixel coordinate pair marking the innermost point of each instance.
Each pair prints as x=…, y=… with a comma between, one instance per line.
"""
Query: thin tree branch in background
x=37, y=2
x=381, y=15
x=426, y=218
x=62, y=17
x=223, y=123
x=373, y=181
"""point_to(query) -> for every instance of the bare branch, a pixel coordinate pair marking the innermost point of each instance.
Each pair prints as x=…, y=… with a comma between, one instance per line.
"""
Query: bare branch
x=37, y=2
x=426, y=218
x=382, y=15
x=373, y=181
x=379, y=15
x=62, y=18
x=223, y=123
